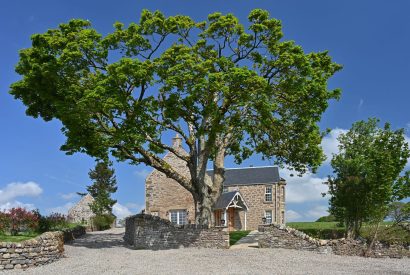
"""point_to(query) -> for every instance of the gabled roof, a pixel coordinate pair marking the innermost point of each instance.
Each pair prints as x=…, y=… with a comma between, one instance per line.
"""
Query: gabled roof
x=250, y=175
x=225, y=200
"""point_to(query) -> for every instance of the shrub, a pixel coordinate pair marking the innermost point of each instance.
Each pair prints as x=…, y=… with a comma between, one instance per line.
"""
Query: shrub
x=4, y=222
x=329, y=218
x=103, y=222
x=20, y=219
x=52, y=222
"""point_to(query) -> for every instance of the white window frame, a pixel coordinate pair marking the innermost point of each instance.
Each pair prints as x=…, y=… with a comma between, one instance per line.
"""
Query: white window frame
x=181, y=216
x=271, y=216
x=268, y=187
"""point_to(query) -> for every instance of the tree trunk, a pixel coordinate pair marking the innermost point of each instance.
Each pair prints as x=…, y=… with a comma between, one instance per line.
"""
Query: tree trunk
x=374, y=238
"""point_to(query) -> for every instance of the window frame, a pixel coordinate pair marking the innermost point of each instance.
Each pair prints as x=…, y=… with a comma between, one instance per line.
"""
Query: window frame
x=178, y=215
x=269, y=194
x=271, y=216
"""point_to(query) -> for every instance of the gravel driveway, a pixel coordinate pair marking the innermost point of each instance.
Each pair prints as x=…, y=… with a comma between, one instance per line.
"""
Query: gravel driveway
x=105, y=253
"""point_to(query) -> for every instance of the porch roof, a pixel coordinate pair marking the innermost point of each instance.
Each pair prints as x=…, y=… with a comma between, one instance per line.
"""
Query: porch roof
x=228, y=199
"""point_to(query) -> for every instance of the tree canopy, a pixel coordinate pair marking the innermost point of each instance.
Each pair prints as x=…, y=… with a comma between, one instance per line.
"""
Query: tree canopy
x=226, y=89
x=368, y=174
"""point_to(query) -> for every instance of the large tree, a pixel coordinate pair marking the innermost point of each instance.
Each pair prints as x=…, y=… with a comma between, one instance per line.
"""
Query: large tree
x=368, y=174
x=104, y=184
x=226, y=89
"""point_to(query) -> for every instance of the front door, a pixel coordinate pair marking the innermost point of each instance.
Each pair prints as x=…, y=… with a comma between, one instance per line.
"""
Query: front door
x=231, y=219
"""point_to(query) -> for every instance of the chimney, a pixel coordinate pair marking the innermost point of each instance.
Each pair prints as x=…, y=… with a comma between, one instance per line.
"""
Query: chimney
x=177, y=142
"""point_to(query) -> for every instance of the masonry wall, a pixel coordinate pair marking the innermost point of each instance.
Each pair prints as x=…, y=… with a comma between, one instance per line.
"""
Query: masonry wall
x=44, y=249
x=150, y=232
x=280, y=236
x=254, y=196
x=163, y=194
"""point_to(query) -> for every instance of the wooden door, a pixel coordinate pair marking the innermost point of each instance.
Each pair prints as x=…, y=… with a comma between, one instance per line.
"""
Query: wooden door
x=231, y=219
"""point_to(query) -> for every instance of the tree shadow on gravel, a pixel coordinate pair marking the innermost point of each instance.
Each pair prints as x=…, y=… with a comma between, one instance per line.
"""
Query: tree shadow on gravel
x=97, y=240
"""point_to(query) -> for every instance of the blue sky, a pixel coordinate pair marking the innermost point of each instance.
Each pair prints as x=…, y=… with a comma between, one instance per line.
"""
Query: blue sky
x=370, y=38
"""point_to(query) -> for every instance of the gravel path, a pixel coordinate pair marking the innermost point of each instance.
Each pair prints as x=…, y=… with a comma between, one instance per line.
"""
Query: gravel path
x=105, y=253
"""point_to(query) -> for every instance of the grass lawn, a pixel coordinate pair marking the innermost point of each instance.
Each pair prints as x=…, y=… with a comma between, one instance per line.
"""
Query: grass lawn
x=235, y=236
x=18, y=238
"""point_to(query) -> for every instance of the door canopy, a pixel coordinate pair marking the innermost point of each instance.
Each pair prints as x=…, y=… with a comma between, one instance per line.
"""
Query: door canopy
x=231, y=200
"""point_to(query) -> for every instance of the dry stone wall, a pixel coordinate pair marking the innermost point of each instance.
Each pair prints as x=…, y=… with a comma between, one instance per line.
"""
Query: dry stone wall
x=149, y=232
x=41, y=250
x=281, y=236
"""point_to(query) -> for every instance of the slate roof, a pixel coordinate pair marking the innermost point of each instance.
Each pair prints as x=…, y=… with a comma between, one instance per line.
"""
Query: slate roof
x=250, y=175
x=225, y=198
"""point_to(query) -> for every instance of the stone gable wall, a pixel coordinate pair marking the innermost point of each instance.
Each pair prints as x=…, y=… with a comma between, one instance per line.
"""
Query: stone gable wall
x=81, y=212
x=150, y=232
x=280, y=236
x=163, y=194
x=41, y=250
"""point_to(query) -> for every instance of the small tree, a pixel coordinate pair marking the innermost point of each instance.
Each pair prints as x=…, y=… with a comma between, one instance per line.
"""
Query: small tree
x=104, y=184
x=21, y=219
x=368, y=175
x=399, y=212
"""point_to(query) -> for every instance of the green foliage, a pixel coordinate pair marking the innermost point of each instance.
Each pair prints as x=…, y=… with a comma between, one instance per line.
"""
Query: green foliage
x=235, y=236
x=329, y=218
x=368, y=174
x=103, y=186
x=226, y=89
x=103, y=222
x=52, y=222
x=388, y=233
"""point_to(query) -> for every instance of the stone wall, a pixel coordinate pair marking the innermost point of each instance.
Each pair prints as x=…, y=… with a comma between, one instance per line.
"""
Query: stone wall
x=43, y=249
x=150, y=232
x=163, y=194
x=254, y=197
x=81, y=212
x=280, y=236
x=74, y=233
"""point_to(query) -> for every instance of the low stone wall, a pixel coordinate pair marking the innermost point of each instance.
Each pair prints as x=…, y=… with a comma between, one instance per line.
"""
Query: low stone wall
x=43, y=249
x=149, y=232
x=280, y=236
x=74, y=233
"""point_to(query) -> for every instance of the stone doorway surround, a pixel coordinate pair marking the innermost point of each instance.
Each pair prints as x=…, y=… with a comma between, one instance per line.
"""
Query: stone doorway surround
x=227, y=206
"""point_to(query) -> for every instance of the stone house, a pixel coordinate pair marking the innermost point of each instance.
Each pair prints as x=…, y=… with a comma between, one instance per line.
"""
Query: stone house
x=251, y=196
x=81, y=212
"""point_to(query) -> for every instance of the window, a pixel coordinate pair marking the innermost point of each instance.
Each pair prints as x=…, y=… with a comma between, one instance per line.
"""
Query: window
x=177, y=216
x=268, y=193
x=268, y=216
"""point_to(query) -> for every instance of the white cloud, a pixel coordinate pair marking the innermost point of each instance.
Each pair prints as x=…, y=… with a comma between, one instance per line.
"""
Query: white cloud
x=292, y=215
x=134, y=206
x=121, y=211
x=330, y=144
x=19, y=189
x=142, y=173
x=361, y=102
x=317, y=212
x=305, y=188
x=15, y=204
x=68, y=196
x=62, y=209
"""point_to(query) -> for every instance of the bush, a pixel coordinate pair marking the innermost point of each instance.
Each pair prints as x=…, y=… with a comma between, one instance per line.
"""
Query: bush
x=18, y=219
x=329, y=218
x=52, y=222
x=103, y=222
